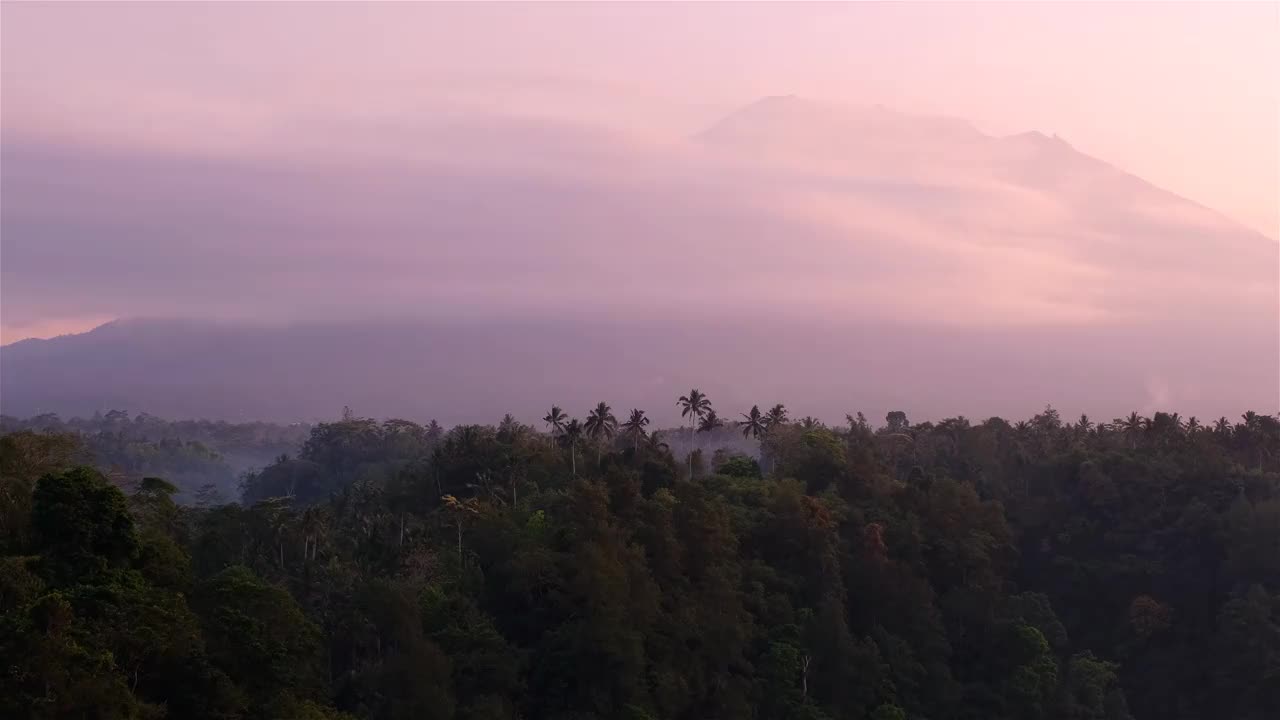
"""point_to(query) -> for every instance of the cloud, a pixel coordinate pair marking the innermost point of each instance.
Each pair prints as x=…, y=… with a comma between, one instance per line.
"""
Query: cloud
x=490, y=215
x=940, y=285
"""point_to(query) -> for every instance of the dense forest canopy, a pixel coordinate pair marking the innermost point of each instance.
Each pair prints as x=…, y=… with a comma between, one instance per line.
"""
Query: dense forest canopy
x=750, y=564
x=200, y=457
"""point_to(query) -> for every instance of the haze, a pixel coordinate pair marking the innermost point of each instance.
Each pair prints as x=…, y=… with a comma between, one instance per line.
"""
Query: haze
x=986, y=208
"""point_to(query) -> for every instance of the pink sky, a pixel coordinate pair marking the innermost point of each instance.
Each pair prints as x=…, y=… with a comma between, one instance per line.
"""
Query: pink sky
x=290, y=162
x=1182, y=94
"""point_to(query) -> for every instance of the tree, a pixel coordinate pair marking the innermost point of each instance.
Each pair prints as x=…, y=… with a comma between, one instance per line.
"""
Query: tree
x=693, y=406
x=26, y=456
x=1041, y=570
x=634, y=427
x=1092, y=691
x=601, y=426
x=555, y=420
x=463, y=512
x=569, y=437
x=82, y=522
x=1246, y=666
x=654, y=443
x=50, y=673
x=752, y=424
x=1085, y=425
x=776, y=417
x=710, y=422
x=1132, y=427
x=313, y=526
x=740, y=466
x=259, y=635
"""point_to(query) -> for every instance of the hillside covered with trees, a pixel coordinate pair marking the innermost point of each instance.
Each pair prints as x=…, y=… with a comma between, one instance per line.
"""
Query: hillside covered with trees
x=202, y=458
x=1043, y=569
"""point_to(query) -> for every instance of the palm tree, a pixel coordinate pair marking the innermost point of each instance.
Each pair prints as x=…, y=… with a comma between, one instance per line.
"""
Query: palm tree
x=555, y=420
x=777, y=415
x=464, y=512
x=1222, y=426
x=1085, y=425
x=809, y=422
x=1132, y=427
x=634, y=427
x=753, y=423
x=1193, y=425
x=601, y=425
x=570, y=436
x=312, y=526
x=693, y=406
x=434, y=432
x=655, y=444
x=710, y=422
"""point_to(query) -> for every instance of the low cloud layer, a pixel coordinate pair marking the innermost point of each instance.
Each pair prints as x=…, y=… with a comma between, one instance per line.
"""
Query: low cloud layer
x=787, y=211
x=787, y=207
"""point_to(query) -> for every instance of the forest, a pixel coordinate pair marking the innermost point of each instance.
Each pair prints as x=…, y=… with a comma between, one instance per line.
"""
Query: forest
x=199, y=457
x=749, y=565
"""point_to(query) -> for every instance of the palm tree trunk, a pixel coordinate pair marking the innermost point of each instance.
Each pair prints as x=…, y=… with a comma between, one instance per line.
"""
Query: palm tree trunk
x=459, y=541
x=692, y=442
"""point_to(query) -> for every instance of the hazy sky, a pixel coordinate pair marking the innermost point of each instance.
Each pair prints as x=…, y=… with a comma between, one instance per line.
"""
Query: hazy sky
x=293, y=162
x=1183, y=94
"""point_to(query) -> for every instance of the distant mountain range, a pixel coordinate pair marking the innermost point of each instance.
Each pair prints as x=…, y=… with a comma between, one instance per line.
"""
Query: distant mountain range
x=476, y=371
x=834, y=258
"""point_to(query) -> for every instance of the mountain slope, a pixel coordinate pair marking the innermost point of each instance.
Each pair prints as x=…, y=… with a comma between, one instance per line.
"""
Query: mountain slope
x=833, y=257
x=478, y=370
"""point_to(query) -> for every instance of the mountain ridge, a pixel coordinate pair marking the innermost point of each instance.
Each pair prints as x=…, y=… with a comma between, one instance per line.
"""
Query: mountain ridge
x=835, y=113
x=858, y=274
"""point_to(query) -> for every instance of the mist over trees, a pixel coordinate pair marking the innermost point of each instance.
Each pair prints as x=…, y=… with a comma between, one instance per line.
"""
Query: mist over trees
x=196, y=456
x=751, y=565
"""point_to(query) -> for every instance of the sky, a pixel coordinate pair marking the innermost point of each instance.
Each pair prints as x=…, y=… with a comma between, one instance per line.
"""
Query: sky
x=1182, y=94
x=942, y=165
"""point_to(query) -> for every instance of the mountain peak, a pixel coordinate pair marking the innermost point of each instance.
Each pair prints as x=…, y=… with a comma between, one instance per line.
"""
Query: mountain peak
x=1039, y=138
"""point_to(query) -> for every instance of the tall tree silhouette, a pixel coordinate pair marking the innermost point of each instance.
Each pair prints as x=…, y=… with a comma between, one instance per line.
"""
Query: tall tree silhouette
x=693, y=406
x=569, y=437
x=634, y=427
x=601, y=426
x=776, y=416
x=555, y=421
x=710, y=422
x=1132, y=427
x=752, y=424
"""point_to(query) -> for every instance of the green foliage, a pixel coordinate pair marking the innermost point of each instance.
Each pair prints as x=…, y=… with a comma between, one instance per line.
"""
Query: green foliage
x=888, y=712
x=740, y=466
x=192, y=454
x=259, y=636
x=954, y=571
x=83, y=525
